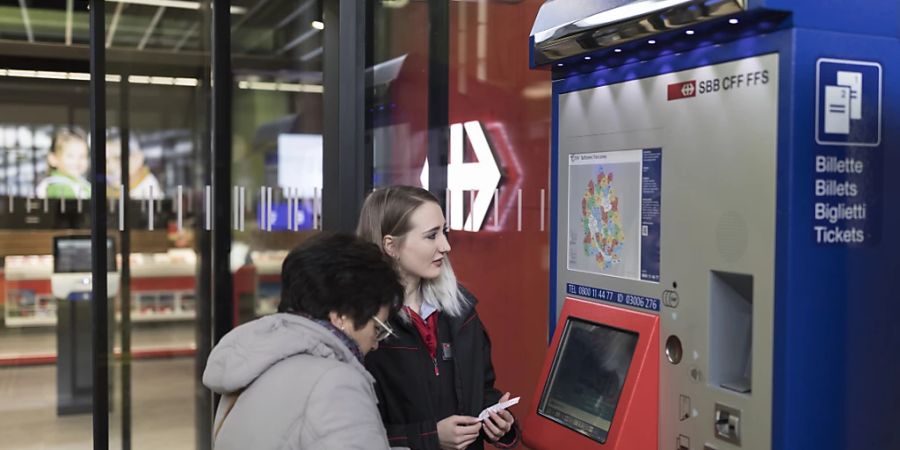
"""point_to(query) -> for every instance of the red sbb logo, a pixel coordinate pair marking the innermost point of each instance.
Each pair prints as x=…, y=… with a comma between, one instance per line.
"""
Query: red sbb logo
x=682, y=90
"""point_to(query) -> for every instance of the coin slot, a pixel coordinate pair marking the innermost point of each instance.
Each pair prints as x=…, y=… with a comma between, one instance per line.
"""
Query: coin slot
x=674, y=351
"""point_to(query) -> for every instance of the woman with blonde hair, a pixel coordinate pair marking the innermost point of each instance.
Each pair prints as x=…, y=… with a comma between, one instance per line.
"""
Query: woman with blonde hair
x=435, y=375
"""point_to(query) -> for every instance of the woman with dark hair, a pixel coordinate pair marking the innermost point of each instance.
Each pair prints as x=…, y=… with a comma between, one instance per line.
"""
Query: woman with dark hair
x=435, y=374
x=295, y=380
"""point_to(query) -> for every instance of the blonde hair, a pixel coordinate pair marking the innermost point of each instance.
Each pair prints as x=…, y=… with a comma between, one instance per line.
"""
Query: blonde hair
x=386, y=212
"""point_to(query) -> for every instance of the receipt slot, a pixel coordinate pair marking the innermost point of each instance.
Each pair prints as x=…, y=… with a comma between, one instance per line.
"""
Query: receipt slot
x=71, y=284
x=727, y=167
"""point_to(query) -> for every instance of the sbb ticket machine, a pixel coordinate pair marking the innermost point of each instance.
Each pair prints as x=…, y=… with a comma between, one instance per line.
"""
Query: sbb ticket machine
x=71, y=284
x=724, y=230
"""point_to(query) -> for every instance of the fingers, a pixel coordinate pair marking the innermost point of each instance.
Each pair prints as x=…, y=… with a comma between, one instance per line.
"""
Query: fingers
x=467, y=430
x=504, y=398
x=463, y=420
x=507, y=416
x=464, y=439
x=491, y=428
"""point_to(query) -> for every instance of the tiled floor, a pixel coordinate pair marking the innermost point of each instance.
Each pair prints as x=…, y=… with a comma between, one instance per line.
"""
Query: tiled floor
x=162, y=412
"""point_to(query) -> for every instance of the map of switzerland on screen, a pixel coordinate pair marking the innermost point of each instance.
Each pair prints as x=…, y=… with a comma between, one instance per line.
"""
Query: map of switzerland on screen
x=614, y=209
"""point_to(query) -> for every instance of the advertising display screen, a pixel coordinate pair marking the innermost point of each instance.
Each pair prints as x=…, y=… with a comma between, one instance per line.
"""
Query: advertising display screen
x=586, y=379
x=72, y=254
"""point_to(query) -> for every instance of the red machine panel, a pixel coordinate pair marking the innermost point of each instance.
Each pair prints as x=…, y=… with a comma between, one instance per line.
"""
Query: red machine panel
x=599, y=386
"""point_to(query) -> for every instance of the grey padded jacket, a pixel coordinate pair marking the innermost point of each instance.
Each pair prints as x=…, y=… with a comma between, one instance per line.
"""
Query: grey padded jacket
x=298, y=387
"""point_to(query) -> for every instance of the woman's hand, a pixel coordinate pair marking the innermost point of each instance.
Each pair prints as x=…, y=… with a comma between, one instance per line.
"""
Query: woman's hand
x=458, y=432
x=499, y=423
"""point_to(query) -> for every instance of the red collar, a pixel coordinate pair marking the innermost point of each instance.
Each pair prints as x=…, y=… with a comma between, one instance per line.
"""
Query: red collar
x=427, y=329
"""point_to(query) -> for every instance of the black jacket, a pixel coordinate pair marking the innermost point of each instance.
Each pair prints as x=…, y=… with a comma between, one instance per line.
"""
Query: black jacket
x=401, y=366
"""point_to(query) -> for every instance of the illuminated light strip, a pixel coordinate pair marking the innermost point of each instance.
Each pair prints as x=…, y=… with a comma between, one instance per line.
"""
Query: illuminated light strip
x=208, y=206
x=235, y=206
x=26, y=20
x=69, y=8
x=543, y=196
x=121, y=207
x=519, y=211
x=282, y=87
x=114, y=25
x=180, y=207
x=160, y=80
x=150, y=207
x=151, y=28
x=242, y=209
x=181, y=4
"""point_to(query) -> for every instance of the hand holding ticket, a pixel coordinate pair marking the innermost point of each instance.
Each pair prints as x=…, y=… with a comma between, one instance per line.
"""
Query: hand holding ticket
x=497, y=407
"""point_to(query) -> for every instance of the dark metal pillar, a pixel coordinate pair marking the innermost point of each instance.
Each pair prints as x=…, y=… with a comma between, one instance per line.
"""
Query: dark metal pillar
x=125, y=242
x=221, y=290
x=438, y=96
x=99, y=301
x=347, y=164
x=214, y=311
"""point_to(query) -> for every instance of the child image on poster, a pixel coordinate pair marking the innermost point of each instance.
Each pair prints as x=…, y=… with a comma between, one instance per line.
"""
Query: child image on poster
x=68, y=161
x=141, y=180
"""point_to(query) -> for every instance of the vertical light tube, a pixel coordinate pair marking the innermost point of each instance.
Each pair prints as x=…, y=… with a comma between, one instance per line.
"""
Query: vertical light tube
x=519, y=212
x=180, y=207
x=121, y=207
x=268, y=209
x=542, y=209
x=208, y=198
x=150, y=208
x=497, y=208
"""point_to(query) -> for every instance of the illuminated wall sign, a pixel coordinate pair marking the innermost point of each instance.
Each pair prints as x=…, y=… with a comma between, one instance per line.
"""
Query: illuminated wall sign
x=481, y=177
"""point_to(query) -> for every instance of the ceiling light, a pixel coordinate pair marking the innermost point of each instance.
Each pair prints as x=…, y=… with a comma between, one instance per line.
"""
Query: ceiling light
x=733, y=21
x=651, y=42
x=177, y=4
x=587, y=58
x=319, y=25
x=618, y=50
x=689, y=32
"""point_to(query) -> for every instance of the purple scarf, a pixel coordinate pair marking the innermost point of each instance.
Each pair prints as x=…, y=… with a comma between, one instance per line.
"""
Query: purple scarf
x=347, y=340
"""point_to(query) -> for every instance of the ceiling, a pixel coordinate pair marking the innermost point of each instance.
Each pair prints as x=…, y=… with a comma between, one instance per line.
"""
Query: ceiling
x=275, y=39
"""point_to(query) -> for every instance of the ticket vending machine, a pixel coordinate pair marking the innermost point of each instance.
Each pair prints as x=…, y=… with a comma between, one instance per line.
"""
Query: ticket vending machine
x=723, y=172
x=71, y=284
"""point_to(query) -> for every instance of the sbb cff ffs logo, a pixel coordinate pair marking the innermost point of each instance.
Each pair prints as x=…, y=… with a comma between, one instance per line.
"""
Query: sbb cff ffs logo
x=694, y=88
x=683, y=90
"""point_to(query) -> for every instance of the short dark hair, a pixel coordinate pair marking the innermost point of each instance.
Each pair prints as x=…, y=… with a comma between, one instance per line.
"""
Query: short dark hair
x=342, y=273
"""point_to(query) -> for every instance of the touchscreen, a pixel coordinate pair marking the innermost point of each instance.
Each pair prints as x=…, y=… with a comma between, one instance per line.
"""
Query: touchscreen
x=586, y=380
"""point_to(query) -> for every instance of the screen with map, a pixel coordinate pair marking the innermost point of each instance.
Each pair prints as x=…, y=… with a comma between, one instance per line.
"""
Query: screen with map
x=614, y=213
x=587, y=376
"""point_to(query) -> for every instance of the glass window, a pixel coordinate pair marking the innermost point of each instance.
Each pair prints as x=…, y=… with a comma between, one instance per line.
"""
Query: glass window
x=453, y=79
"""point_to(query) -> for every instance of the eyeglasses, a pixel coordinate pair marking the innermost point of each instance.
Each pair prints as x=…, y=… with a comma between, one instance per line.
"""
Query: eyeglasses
x=382, y=330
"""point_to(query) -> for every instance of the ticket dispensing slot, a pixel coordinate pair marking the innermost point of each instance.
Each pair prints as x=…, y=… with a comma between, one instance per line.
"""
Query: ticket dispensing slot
x=730, y=330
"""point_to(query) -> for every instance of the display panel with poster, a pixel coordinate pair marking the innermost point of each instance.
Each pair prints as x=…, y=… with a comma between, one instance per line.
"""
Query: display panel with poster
x=614, y=213
x=67, y=160
x=586, y=380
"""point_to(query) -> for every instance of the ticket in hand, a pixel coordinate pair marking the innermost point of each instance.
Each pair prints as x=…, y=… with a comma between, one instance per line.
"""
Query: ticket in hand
x=497, y=407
